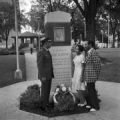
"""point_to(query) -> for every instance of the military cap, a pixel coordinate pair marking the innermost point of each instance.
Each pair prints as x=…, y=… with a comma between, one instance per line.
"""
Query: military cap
x=45, y=39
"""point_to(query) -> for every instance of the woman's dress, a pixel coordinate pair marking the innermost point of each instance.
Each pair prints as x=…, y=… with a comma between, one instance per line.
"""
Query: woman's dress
x=76, y=81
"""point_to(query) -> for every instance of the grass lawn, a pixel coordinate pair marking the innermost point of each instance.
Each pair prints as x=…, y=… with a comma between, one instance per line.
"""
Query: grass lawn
x=8, y=68
x=111, y=69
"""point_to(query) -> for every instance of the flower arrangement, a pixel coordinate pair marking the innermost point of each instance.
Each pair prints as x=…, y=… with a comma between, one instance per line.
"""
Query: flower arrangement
x=63, y=98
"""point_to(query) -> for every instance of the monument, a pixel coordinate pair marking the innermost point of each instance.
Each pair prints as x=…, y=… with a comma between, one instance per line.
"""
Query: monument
x=57, y=27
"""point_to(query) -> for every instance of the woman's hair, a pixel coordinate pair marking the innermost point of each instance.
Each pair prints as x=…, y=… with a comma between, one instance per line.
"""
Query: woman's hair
x=80, y=47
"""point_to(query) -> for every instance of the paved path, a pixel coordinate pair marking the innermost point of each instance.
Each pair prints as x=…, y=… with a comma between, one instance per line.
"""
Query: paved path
x=110, y=105
x=31, y=66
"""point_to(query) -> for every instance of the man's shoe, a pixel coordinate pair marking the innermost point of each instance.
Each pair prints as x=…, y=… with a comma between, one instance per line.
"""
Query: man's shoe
x=92, y=110
x=42, y=108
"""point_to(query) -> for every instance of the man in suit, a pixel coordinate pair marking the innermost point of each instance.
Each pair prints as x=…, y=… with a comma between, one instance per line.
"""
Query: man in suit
x=45, y=71
x=91, y=75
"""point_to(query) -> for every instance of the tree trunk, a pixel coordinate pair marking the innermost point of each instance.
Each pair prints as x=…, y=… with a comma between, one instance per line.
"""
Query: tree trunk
x=6, y=42
x=90, y=20
x=90, y=30
x=113, y=43
x=7, y=34
x=89, y=12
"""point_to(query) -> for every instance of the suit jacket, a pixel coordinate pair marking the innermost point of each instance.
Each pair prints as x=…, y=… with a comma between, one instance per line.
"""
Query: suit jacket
x=44, y=64
x=92, y=66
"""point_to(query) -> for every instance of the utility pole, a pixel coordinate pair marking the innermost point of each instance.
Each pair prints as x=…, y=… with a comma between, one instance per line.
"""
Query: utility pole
x=38, y=29
x=18, y=72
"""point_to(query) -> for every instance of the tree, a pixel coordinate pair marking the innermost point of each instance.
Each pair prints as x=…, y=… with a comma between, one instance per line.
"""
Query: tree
x=101, y=30
x=89, y=9
x=6, y=20
x=36, y=20
x=23, y=19
x=113, y=9
x=102, y=25
x=41, y=7
x=77, y=24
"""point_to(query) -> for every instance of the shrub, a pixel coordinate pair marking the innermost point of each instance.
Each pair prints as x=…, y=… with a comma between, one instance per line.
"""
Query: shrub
x=24, y=45
x=4, y=52
x=10, y=52
x=31, y=97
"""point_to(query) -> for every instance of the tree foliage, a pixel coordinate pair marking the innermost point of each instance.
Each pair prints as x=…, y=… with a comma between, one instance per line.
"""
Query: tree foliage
x=41, y=7
x=77, y=24
x=37, y=18
x=7, y=20
x=89, y=9
x=113, y=8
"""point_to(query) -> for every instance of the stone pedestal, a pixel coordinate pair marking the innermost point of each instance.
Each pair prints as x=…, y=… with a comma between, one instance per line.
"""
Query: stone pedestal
x=57, y=28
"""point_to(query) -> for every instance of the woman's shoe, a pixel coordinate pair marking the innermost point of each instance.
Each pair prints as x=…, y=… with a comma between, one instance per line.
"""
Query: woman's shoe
x=82, y=104
x=87, y=106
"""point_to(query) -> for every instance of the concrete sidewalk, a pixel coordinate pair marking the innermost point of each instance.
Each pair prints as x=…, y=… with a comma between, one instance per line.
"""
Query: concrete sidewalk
x=31, y=66
x=109, y=94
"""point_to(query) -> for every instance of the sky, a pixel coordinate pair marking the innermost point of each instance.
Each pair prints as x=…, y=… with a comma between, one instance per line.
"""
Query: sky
x=25, y=5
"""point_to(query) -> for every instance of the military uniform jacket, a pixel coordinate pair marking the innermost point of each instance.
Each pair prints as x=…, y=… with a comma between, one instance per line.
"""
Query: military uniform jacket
x=44, y=64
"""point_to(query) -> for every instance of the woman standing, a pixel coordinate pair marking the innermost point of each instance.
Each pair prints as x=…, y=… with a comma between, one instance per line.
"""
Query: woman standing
x=78, y=60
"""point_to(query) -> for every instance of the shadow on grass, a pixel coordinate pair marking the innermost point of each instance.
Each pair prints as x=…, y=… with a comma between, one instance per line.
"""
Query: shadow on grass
x=105, y=60
x=110, y=71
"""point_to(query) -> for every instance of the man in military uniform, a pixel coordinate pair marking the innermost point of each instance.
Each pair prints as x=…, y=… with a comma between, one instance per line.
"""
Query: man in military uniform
x=45, y=71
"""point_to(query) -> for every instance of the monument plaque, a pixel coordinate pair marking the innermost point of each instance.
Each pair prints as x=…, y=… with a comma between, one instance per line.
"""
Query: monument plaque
x=59, y=34
x=62, y=65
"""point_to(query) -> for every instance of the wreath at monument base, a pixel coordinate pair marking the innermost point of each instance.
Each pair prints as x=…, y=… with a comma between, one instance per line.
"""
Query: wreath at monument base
x=64, y=99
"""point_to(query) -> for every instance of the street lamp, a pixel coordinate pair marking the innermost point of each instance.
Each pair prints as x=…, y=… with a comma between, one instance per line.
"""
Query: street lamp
x=18, y=72
x=38, y=32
